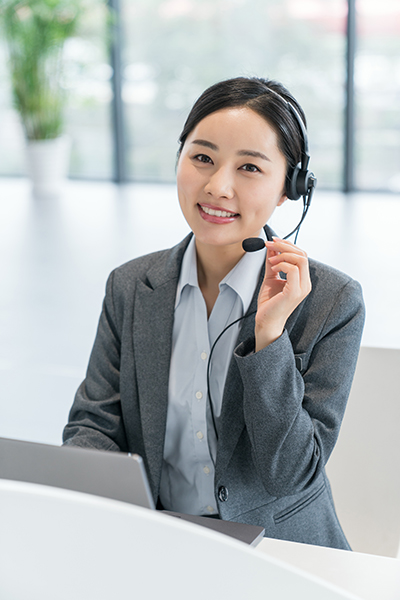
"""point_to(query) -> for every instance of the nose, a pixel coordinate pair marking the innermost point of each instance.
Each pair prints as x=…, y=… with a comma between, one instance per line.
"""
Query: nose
x=220, y=184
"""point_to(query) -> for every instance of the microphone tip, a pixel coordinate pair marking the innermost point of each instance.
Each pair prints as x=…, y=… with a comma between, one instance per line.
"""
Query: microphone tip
x=253, y=244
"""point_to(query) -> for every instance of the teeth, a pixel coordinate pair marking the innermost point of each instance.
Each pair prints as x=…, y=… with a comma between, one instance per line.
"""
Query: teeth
x=217, y=213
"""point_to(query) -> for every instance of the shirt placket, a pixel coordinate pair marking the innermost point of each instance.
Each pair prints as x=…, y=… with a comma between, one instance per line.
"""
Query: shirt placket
x=199, y=408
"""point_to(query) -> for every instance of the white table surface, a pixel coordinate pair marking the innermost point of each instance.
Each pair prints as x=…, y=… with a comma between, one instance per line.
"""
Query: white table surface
x=56, y=543
x=369, y=576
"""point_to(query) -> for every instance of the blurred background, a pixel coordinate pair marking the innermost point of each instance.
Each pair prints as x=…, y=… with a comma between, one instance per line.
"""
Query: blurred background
x=127, y=99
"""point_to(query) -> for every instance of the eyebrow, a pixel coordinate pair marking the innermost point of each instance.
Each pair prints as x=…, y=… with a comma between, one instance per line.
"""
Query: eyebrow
x=206, y=144
x=253, y=153
x=214, y=147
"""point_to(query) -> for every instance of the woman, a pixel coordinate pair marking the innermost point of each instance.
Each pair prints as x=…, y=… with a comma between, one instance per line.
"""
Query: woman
x=229, y=372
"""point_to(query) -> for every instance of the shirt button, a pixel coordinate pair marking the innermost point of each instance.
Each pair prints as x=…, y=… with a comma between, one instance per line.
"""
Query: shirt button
x=210, y=509
x=206, y=470
x=223, y=493
x=199, y=435
x=199, y=395
x=203, y=355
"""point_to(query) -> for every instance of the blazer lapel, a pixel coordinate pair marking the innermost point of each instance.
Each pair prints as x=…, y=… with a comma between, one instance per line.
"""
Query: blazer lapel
x=152, y=342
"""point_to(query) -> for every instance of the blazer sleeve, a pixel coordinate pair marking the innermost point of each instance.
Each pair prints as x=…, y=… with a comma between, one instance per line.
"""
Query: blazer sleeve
x=293, y=418
x=95, y=419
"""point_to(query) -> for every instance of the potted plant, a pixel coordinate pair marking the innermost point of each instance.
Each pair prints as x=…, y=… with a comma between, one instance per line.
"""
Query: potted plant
x=35, y=31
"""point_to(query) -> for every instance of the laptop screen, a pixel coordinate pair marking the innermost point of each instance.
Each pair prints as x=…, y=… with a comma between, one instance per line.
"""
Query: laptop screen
x=114, y=475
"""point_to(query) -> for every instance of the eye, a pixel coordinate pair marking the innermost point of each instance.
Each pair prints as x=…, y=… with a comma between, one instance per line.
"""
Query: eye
x=251, y=168
x=203, y=158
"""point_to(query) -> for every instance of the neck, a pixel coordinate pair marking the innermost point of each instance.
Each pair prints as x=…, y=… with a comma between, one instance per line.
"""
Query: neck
x=213, y=264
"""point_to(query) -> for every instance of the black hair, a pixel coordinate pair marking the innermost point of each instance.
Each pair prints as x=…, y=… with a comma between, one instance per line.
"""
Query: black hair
x=266, y=97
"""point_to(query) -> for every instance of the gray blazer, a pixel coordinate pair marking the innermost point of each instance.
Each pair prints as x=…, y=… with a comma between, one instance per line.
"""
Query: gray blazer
x=282, y=407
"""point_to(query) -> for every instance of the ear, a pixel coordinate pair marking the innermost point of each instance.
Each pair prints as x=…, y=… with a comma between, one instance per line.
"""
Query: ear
x=282, y=199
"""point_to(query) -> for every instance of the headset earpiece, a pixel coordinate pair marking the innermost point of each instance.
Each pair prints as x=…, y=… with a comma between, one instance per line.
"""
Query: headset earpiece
x=299, y=182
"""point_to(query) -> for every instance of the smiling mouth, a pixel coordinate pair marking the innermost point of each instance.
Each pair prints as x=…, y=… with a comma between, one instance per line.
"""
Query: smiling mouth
x=218, y=213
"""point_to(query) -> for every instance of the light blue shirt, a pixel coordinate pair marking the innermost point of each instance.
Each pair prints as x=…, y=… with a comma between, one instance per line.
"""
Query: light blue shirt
x=187, y=478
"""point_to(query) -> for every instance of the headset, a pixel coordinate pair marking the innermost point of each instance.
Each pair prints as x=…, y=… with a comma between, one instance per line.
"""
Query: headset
x=300, y=182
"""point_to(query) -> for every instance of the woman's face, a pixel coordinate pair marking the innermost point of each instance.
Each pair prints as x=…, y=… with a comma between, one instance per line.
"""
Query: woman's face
x=230, y=177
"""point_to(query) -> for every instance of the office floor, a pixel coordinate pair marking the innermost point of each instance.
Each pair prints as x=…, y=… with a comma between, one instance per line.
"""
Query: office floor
x=55, y=256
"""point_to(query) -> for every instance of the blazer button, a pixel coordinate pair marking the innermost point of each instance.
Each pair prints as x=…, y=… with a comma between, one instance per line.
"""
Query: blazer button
x=223, y=493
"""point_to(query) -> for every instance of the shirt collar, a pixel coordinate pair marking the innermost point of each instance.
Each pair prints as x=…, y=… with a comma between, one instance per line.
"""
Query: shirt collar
x=242, y=278
x=188, y=275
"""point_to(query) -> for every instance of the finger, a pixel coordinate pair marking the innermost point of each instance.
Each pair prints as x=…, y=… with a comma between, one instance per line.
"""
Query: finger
x=292, y=272
x=296, y=278
x=295, y=259
x=279, y=245
x=271, y=254
x=279, y=240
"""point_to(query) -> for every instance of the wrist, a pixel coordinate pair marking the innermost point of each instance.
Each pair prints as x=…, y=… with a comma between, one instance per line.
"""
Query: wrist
x=264, y=338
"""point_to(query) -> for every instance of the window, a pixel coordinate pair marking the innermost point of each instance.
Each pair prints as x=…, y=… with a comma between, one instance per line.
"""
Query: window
x=171, y=50
x=174, y=49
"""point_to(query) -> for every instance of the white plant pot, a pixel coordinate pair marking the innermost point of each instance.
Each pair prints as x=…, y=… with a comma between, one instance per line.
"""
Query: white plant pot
x=47, y=165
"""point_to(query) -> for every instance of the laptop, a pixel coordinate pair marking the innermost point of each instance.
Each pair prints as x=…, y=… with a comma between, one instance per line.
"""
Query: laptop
x=114, y=475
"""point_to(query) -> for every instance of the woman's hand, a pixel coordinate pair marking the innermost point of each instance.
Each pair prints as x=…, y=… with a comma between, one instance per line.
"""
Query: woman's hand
x=279, y=297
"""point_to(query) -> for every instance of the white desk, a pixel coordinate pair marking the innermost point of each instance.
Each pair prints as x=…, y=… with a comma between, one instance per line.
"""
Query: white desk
x=368, y=576
x=60, y=544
